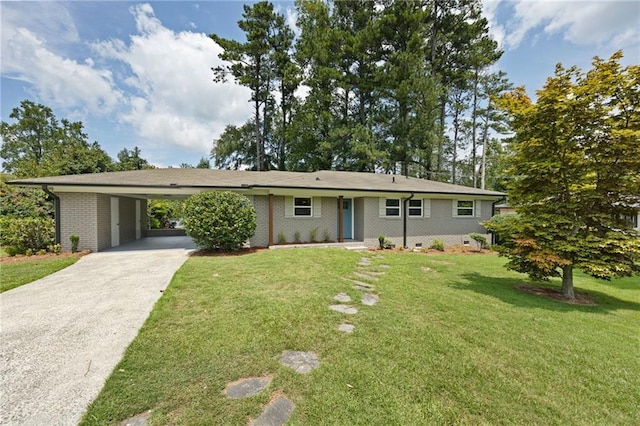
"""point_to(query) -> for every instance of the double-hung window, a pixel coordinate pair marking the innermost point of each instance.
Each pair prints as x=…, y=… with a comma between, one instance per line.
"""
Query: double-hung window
x=465, y=208
x=415, y=207
x=302, y=207
x=392, y=207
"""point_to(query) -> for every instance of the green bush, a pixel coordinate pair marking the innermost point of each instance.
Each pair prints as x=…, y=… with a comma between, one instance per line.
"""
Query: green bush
x=326, y=235
x=313, y=235
x=296, y=237
x=22, y=234
x=480, y=240
x=437, y=245
x=384, y=243
x=219, y=220
x=281, y=238
x=75, y=239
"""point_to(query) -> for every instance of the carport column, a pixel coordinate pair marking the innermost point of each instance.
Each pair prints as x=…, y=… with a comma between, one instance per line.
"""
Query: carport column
x=340, y=219
x=270, y=219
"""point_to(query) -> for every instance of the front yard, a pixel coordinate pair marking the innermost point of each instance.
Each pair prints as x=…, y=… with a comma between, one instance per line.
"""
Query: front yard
x=449, y=342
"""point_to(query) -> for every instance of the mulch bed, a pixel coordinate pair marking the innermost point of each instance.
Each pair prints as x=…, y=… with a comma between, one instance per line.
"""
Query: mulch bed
x=555, y=294
x=20, y=258
x=457, y=249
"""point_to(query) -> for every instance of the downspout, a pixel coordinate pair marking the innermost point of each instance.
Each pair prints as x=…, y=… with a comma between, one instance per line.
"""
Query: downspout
x=56, y=211
x=404, y=220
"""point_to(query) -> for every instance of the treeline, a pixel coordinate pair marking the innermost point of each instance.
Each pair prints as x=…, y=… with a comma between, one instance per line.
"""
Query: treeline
x=389, y=86
x=36, y=144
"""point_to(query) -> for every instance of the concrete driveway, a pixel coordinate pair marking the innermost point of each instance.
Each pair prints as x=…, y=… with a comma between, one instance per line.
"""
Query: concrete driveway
x=61, y=336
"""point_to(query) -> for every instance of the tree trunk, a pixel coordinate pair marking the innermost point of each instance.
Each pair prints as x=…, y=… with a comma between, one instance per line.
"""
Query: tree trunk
x=567, y=282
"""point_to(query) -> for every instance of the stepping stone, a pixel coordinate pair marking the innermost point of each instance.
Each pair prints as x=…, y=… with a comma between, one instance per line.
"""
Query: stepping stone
x=365, y=276
x=378, y=257
x=300, y=362
x=344, y=309
x=276, y=413
x=360, y=283
x=342, y=297
x=244, y=388
x=362, y=288
x=139, y=420
x=369, y=299
x=384, y=266
x=347, y=328
x=375, y=272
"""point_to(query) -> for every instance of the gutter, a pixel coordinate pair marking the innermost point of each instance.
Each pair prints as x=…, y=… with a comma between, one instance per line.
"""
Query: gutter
x=56, y=214
x=405, y=213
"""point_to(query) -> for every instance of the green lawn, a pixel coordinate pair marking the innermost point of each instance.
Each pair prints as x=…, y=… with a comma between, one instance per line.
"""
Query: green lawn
x=450, y=342
x=14, y=275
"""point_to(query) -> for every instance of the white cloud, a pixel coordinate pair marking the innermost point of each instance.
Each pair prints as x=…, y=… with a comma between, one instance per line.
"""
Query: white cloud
x=176, y=104
x=29, y=56
x=613, y=23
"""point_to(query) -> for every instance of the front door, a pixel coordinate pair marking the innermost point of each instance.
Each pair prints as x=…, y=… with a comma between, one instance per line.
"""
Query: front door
x=347, y=218
x=115, y=221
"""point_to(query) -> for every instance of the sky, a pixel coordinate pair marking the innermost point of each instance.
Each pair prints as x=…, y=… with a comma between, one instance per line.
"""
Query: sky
x=139, y=73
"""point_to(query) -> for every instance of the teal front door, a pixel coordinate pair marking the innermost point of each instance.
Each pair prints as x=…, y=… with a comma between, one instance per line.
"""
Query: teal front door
x=347, y=218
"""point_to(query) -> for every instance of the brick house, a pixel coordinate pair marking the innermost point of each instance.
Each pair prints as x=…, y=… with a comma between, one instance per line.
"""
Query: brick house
x=109, y=209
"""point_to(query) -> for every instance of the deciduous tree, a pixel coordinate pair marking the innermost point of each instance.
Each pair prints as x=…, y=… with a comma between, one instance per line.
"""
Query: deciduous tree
x=574, y=168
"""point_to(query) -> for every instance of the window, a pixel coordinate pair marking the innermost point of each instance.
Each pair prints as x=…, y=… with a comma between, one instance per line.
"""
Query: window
x=392, y=207
x=415, y=208
x=465, y=208
x=302, y=207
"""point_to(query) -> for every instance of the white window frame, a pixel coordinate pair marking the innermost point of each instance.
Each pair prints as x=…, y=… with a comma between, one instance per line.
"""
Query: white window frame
x=415, y=208
x=387, y=207
x=310, y=207
x=471, y=209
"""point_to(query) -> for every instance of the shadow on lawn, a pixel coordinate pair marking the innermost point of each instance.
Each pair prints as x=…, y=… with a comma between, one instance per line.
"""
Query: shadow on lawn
x=504, y=289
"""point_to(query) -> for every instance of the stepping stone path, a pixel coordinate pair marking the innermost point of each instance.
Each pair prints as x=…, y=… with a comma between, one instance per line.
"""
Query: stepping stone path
x=244, y=388
x=276, y=413
x=342, y=298
x=139, y=420
x=346, y=328
x=384, y=266
x=365, y=276
x=344, y=309
x=369, y=299
x=300, y=362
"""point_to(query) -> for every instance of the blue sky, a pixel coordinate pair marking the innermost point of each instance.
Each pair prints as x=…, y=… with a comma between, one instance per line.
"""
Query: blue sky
x=138, y=73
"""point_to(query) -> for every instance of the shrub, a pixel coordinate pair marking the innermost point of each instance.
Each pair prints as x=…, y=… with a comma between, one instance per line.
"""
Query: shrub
x=384, y=243
x=480, y=240
x=281, y=238
x=503, y=227
x=313, y=235
x=75, y=239
x=296, y=237
x=20, y=234
x=326, y=235
x=437, y=245
x=219, y=220
x=55, y=248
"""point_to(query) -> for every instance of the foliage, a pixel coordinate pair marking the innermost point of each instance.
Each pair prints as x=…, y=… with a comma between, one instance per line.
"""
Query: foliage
x=296, y=237
x=437, y=245
x=37, y=144
x=384, y=243
x=480, y=240
x=282, y=239
x=450, y=343
x=162, y=213
x=75, y=240
x=503, y=227
x=22, y=202
x=219, y=220
x=574, y=167
x=326, y=235
x=21, y=234
x=313, y=235
x=132, y=160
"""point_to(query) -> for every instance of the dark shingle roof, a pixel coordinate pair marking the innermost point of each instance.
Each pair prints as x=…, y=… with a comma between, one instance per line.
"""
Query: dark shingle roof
x=230, y=179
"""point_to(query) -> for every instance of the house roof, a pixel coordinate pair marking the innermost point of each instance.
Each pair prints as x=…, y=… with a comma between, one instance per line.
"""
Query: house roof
x=196, y=180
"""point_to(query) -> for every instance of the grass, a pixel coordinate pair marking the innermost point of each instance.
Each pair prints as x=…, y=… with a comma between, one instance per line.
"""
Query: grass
x=14, y=275
x=450, y=342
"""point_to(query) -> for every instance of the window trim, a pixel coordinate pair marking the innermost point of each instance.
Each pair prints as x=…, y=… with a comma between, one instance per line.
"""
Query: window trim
x=471, y=209
x=310, y=207
x=409, y=208
x=398, y=207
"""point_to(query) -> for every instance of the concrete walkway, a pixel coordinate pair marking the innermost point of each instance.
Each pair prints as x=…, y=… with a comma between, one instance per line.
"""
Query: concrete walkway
x=61, y=336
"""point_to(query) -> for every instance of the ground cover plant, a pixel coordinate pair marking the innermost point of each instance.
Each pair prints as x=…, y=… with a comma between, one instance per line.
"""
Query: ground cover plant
x=16, y=272
x=451, y=341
